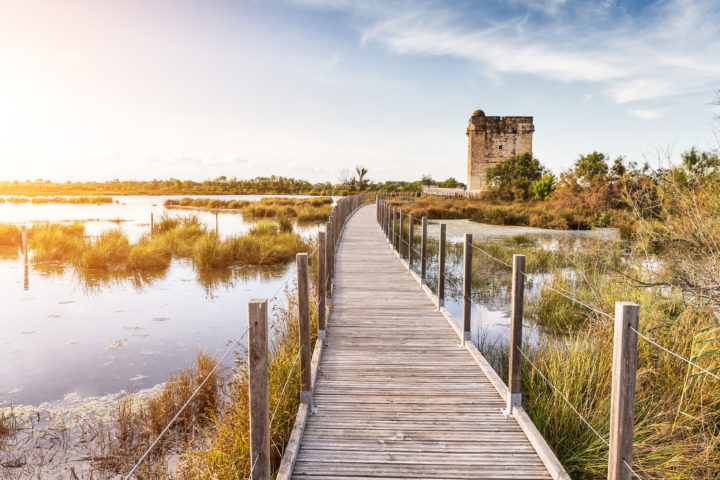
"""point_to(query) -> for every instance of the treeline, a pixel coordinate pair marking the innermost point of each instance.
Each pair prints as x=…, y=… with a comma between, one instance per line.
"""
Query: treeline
x=272, y=185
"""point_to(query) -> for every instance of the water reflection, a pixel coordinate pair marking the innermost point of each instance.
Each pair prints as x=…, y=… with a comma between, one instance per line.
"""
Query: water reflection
x=94, y=333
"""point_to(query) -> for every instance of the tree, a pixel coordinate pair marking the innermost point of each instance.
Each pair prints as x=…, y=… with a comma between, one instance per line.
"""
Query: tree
x=700, y=164
x=543, y=188
x=362, y=181
x=591, y=168
x=511, y=179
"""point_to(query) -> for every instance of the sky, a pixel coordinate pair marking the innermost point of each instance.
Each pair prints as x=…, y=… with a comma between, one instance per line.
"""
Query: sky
x=131, y=89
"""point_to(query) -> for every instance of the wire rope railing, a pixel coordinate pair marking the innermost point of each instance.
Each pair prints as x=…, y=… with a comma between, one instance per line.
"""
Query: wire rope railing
x=258, y=313
x=620, y=448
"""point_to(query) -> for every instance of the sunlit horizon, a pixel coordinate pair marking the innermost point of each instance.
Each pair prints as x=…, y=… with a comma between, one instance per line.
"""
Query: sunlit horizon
x=96, y=91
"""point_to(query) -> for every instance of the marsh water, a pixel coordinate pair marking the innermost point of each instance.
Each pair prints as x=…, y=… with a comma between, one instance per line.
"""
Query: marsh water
x=69, y=336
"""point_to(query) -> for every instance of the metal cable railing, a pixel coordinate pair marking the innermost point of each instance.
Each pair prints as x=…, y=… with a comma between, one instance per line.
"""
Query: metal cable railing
x=568, y=296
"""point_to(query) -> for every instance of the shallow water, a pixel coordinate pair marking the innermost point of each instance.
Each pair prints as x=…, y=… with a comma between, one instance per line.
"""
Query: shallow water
x=131, y=214
x=90, y=335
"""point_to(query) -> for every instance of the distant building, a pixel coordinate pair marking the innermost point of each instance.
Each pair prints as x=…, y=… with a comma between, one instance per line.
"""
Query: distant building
x=492, y=140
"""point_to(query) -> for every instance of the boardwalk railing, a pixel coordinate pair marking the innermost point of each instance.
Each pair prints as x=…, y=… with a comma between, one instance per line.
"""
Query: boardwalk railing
x=626, y=332
x=259, y=405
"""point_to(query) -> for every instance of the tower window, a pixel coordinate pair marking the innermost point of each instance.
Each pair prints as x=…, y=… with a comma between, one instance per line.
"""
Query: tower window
x=500, y=147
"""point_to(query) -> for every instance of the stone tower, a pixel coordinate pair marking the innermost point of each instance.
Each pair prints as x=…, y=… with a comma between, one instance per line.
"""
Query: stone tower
x=492, y=140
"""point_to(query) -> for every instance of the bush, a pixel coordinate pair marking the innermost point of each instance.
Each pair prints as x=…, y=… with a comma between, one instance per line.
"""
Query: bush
x=110, y=250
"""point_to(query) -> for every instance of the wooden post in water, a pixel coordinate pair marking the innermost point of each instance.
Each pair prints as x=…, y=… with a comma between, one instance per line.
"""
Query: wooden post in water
x=259, y=392
x=622, y=402
x=152, y=223
x=441, y=267
x=301, y=260
x=23, y=229
x=216, y=223
x=516, y=318
x=467, y=286
x=423, y=251
x=321, y=287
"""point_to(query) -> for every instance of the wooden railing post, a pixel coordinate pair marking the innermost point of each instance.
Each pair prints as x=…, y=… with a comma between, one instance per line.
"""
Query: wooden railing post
x=301, y=260
x=328, y=259
x=400, y=232
x=411, y=225
x=321, y=287
x=388, y=220
x=467, y=287
x=622, y=402
x=394, y=225
x=423, y=251
x=258, y=389
x=516, y=318
x=441, y=267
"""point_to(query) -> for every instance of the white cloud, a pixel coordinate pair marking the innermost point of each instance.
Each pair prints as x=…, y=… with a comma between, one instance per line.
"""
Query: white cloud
x=646, y=114
x=669, y=48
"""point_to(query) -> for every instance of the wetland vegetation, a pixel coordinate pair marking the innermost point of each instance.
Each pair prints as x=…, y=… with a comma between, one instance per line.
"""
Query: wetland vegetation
x=315, y=209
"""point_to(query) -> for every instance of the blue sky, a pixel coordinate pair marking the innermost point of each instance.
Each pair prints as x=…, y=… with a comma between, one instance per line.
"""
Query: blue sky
x=306, y=88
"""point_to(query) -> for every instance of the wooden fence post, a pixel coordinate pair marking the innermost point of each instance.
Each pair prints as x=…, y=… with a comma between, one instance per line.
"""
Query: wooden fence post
x=394, y=225
x=24, y=242
x=411, y=225
x=441, y=267
x=301, y=259
x=328, y=259
x=259, y=393
x=400, y=232
x=423, y=251
x=622, y=402
x=467, y=286
x=516, y=318
x=321, y=287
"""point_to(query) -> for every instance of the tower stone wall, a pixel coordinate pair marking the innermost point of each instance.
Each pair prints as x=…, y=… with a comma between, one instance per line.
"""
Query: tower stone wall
x=492, y=140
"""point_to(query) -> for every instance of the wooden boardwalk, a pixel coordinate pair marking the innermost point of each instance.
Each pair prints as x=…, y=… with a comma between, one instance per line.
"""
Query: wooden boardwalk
x=396, y=396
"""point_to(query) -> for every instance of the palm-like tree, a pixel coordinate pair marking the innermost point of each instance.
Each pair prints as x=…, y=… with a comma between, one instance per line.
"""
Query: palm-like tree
x=361, y=172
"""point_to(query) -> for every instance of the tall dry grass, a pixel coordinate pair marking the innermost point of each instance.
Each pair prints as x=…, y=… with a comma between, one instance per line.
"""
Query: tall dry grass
x=138, y=422
x=173, y=237
x=225, y=449
x=314, y=209
x=530, y=213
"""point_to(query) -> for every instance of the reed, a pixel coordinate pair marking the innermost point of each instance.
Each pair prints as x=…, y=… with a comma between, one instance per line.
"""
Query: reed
x=10, y=235
x=225, y=451
x=530, y=213
x=98, y=200
x=138, y=422
x=57, y=242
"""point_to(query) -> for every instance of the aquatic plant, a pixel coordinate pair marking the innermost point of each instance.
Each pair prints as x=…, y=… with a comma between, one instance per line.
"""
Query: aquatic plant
x=99, y=200
x=57, y=241
x=108, y=251
x=10, y=235
x=314, y=209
